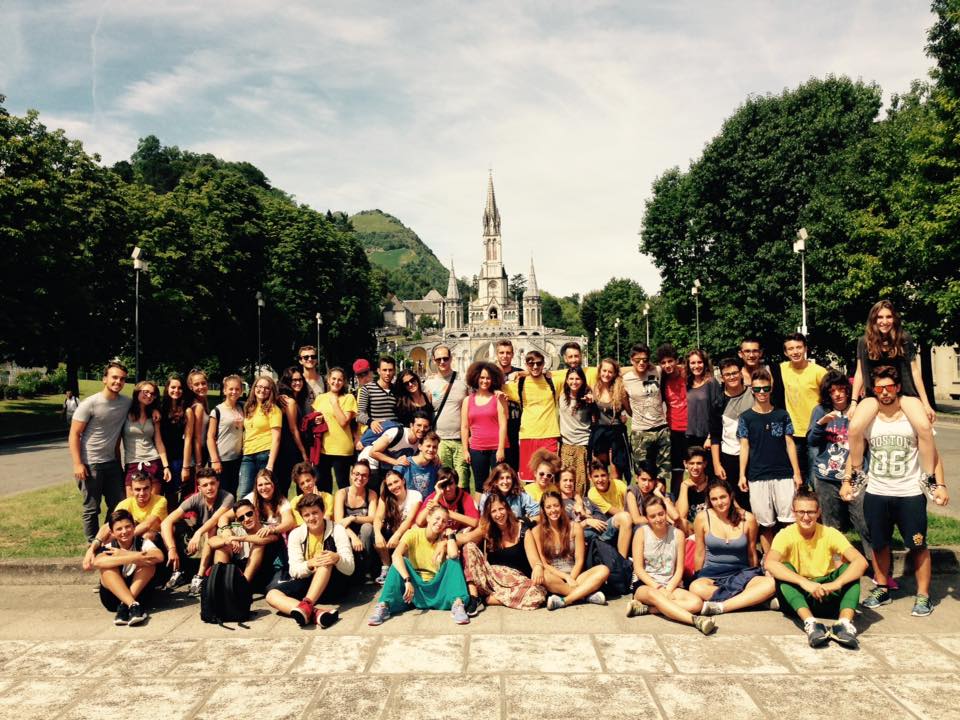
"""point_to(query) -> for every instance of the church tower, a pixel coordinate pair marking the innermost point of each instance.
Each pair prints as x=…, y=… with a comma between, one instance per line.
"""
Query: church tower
x=532, y=304
x=452, y=312
x=492, y=290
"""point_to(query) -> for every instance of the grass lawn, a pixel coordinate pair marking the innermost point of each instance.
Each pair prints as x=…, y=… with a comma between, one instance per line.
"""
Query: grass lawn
x=41, y=414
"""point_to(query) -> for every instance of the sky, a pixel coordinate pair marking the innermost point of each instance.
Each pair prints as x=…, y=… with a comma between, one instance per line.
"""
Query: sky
x=576, y=107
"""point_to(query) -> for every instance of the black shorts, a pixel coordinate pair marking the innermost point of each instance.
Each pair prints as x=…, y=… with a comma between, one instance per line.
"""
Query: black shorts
x=909, y=514
x=297, y=587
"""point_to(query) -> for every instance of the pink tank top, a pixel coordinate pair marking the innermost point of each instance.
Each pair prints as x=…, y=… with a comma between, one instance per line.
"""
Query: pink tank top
x=484, y=426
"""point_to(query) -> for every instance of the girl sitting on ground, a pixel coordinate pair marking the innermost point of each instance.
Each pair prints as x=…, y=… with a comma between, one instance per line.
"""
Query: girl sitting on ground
x=395, y=514
x=658, y=550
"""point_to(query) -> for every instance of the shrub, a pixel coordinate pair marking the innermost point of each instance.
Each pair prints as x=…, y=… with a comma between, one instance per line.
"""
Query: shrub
x=28, y=383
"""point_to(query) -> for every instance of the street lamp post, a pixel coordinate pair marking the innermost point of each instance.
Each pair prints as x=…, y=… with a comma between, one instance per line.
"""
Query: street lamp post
x=596, y=334
x=695, y=291
x=319, y=323
x=260, y=306
x=616, y=325
x=800, y=247
x=139, y=265
x=646, y=316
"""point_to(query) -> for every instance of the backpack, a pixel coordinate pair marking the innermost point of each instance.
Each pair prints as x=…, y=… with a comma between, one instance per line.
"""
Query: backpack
x=523, y=378
x=369, y=437
x=225, y=595
x=621, y=571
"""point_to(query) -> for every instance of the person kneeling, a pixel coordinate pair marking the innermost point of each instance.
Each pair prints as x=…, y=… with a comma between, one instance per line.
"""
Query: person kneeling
x=801, y=561
x=321, y=562
x=127, y=566
x=425, y=572
x=244, y=546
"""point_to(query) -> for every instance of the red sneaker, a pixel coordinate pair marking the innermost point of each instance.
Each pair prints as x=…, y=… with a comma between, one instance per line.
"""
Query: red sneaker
x=303, y=613
x=325, y=618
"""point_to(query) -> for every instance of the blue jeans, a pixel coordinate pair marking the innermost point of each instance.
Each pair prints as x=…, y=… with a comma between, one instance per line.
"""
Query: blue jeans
x=250, y=465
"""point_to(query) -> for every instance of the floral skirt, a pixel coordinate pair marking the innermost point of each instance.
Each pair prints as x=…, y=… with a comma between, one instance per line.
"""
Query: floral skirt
x=511, y=587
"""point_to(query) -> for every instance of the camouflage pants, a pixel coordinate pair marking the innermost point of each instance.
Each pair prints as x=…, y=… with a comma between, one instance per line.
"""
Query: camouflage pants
x=652, y=447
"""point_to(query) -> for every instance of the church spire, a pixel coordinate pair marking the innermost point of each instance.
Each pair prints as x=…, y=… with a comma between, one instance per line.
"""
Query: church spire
x=532, y=289
x=491, y=216
x=453, y=292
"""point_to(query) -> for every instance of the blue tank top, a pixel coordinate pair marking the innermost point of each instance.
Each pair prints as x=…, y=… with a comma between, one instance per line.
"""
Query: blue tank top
x=724, y=557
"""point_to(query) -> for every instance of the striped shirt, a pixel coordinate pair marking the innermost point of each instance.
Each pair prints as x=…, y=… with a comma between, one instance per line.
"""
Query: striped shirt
x=375, y=403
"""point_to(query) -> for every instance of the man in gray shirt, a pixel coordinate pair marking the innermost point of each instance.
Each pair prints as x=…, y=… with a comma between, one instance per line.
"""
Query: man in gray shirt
x=649, y=432
x=94, y=447
x=446, y=384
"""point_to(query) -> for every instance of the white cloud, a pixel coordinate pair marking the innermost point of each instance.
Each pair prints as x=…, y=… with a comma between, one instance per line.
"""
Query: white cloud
x=404, y=106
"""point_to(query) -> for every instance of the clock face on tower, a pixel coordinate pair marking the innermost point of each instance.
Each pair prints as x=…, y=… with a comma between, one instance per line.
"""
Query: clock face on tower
x=492, y=287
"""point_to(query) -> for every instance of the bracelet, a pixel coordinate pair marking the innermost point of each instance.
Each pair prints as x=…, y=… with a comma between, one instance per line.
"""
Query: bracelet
x=97, y=541
x=406, y=580
x=166, y=467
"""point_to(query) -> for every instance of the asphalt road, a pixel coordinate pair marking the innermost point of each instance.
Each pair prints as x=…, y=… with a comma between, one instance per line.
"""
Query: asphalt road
x=44, y=463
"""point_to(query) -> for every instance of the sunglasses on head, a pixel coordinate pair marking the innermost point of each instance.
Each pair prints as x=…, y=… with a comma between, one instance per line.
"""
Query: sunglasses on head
x=245, y=516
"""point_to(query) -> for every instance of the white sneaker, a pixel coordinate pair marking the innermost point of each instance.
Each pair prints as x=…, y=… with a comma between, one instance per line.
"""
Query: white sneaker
x=195, y=586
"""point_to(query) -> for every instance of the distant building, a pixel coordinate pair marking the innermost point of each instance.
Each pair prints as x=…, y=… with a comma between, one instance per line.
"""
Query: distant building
x=494, y=315
x=945, y=362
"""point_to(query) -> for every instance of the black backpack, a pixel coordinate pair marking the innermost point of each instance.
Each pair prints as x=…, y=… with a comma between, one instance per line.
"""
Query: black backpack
x=621, y=571
x=225, y=595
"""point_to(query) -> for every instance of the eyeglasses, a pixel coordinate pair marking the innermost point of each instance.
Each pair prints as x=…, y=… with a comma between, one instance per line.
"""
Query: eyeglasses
x=806, y=513
x=264, y=388
x=544, y=474
x=445, y=358
x=881, y=389
x=732, y=374
x=359, y=474
x=534, y=363
x=245, y=516
x=308, y=357
x=761, y=389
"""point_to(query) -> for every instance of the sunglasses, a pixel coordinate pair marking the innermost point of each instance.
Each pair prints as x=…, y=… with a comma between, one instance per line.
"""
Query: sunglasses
x=412, y=381
x=880, y=389
x=535, y=363
x=761, y=389
x=545, y=474
x=308, y=357
x=245, y=516
x=445, y=358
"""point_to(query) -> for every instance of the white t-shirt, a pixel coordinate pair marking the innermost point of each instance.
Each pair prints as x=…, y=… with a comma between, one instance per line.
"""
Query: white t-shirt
x=894, y=469
x=396, y=450
x=283, y=506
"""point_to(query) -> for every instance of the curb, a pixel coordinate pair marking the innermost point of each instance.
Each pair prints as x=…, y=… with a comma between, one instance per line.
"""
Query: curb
x=67, y=571
x=30, y=437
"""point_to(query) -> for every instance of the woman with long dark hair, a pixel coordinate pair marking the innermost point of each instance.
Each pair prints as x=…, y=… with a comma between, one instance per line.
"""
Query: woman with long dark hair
x=176, y=429
x=143, y=448
x=500, y=561
x=608, y=439
x=291, y=398
x=576, y=414
x=703, y=395
x=396, y=513
x=410, y=397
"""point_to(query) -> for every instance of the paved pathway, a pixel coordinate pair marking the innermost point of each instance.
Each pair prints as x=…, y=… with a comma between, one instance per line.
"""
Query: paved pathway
x=59, y=652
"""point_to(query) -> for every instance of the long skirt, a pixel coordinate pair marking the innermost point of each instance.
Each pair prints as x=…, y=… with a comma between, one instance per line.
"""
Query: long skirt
x=439, y=593
x=511, y=587
x=575, y=457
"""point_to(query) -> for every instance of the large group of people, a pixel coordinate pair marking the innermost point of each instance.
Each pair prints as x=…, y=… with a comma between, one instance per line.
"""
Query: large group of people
x=696, y=492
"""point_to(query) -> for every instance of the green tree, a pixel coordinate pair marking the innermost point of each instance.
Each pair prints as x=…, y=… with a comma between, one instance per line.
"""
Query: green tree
x=620, y=298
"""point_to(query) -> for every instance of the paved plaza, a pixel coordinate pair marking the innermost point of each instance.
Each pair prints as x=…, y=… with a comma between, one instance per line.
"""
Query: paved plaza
x=61, y=657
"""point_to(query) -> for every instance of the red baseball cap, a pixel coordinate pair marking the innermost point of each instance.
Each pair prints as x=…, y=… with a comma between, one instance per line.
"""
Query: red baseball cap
x=361, y=366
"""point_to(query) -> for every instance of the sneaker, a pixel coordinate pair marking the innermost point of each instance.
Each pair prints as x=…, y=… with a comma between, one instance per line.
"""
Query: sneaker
x=706, y=625
x=817, y=634
x=554, y=602
x=174, y=580
x=303, y=613
x=459, y=613
x=880, y=595
x=921, y=606
x=597, y=598
x=196, y=585
x=711, y=608
x=475, y=606
x=380, y=614
x=773, y=603
x=892, y=584
x=137, y=614
x=325, y=618
x=382, y=577
x=845, y=634
x=123, y=615
x=636, y=609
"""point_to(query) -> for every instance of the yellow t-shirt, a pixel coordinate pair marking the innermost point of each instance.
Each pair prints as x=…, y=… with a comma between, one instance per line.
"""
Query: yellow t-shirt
x=157, y=506
x=327, y=506
x=539, y=419
x=535, y=491
x=802, y=393
x=811, y=558
x=422, y=553
x=560, y=377
x=257, y=430
x=613, y=498
x=314, y=546
x=337, y=440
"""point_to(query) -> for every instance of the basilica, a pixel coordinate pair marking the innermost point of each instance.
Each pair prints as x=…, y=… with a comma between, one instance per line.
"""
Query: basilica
x=493, y=315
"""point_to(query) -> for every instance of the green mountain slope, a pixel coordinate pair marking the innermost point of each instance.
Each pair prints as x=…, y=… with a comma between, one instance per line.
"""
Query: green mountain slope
x=410, y=267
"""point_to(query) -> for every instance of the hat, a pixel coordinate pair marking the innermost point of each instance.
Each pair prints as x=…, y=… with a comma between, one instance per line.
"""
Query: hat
x=361, y=366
